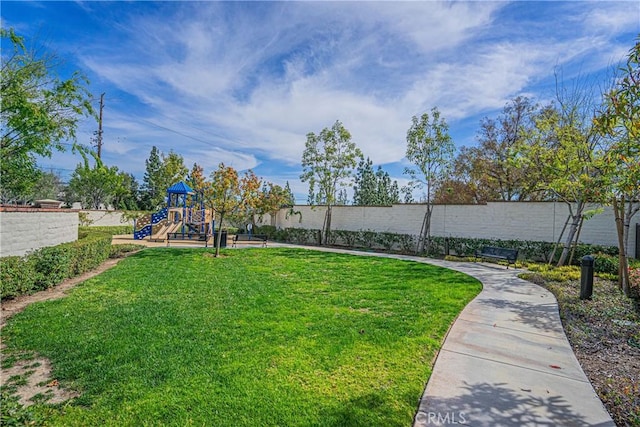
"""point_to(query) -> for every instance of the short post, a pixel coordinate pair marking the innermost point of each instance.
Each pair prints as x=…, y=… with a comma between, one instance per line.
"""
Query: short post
x=586, y=277
x=446, y=246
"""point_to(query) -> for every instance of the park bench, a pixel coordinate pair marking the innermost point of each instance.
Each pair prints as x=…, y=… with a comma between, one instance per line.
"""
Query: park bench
x=189, y=236
x=250, y=238
x=186, y=236
x=506, y=254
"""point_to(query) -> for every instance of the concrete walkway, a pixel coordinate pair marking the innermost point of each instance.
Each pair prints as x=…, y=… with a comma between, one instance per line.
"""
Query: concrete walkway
x=507, y=362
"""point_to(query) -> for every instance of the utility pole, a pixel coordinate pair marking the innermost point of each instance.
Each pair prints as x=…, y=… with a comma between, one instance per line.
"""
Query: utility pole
x=99, y=136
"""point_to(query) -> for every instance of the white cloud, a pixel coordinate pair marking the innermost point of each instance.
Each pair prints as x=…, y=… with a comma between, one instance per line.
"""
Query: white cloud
x=611, y=17
x=243, y=83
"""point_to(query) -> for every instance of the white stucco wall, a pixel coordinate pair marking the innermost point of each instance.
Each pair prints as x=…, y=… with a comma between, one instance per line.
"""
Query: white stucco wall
x=538, y=221
x=105, y=218
x=25, y=230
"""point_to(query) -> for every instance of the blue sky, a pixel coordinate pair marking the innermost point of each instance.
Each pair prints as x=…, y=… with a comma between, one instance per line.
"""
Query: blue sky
x=244, y=82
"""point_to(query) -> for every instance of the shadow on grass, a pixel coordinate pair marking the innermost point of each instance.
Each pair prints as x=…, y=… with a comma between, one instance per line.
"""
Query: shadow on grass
x=365, y=410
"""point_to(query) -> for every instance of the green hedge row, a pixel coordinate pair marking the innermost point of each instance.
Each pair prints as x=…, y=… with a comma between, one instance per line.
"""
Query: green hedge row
x=606, y=256
x=46, y=267
x=112, y=230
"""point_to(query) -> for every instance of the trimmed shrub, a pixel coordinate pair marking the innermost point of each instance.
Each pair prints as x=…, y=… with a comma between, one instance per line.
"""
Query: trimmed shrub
x=268, y=230
x=604, y=263
x=331, y=237
x=52, y=265
x=111, y=230
x=387, y=240
x=582, y=250
x=407, y=243
x=346, y=237
x=17, y=276
x=366, y=238
x=46, y=267
x=300, y=236
x=90, y=252
x=437, y=247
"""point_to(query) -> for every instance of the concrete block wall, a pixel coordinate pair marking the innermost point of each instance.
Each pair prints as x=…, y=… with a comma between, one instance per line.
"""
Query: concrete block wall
x=102, y=218
x=25, y=230
x=538, y=221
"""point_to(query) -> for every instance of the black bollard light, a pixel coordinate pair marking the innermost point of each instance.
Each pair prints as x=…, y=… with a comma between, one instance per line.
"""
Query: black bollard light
x=586, y=277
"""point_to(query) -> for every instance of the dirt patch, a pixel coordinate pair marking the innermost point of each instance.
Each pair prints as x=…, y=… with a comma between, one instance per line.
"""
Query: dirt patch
x=30, y=380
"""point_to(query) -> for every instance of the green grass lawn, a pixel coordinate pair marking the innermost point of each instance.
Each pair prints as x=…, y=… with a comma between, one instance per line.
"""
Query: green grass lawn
x=280, y=337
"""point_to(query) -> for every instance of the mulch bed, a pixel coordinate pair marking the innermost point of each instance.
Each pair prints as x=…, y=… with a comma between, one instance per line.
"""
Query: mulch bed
x=605, y=335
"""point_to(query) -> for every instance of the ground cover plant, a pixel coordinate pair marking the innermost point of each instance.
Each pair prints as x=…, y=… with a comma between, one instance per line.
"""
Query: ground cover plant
x=604, y=333
x=255, y=337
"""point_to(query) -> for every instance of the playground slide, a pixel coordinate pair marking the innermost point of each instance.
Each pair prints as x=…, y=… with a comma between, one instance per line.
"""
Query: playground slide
x=173, y=228
x=167, y=228
x=143, y=226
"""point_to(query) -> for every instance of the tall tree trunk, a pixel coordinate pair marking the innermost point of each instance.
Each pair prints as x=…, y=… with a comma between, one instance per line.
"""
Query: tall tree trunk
x=425, y=231
x=557, y=243
x=219, y=237
x=575, y=245
x=623, y=266
x=326, y=227
x=632, y=209
x=573, y=228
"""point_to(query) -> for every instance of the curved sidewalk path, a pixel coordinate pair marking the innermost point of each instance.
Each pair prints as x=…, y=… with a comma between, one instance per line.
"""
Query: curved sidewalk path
x=506, y=360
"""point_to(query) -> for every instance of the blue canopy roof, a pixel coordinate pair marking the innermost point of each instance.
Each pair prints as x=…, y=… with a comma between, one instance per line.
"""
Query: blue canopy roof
x=180, y=188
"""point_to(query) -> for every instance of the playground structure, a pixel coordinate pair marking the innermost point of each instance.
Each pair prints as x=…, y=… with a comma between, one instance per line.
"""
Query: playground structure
x=184, y=218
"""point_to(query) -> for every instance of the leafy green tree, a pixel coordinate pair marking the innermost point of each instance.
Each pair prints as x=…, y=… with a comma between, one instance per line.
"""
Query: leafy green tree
x=388, y=192
x=17, y=178
x=430, y=149
x=291, y=199
x=407, y=193
x=95, y=186
x=153, y=194
x=126, y=196
x=328, y=161
x=565, y=156
x=197, y=181
x=272, y=198
x=343, y=197
x=196, y=178
x=365, y=190
x=490, y=169
x=374, y=188
x=228, y=194
x=160, y=174
x=455, y=191
x=48, y=186
x=620, y=121
x=173, y=169
x=38, y=114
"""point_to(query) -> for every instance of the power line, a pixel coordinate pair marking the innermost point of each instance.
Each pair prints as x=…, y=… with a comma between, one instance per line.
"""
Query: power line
x=180, y=133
